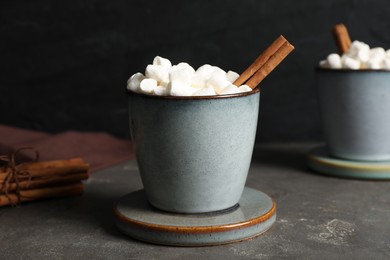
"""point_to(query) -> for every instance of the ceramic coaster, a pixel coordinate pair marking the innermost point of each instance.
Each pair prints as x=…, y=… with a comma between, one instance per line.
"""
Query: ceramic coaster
x=255, y=214
x=320, y=161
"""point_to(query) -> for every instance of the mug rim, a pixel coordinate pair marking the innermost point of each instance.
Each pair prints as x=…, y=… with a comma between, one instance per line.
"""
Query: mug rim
x=241, y=94
x=343, y=70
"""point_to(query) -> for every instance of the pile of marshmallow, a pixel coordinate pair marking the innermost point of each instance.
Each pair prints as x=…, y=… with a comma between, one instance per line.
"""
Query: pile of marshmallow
x=163, y=79
x=359, y=56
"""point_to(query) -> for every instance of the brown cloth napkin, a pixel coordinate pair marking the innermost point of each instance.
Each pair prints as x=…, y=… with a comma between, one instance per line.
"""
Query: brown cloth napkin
x=100, y=150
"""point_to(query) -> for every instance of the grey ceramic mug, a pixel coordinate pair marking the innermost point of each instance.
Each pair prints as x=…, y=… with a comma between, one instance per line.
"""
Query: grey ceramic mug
x=355, y=110
x=194, y=153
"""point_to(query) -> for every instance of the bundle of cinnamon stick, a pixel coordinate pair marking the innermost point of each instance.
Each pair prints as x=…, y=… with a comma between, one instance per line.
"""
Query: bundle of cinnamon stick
x=41, y=180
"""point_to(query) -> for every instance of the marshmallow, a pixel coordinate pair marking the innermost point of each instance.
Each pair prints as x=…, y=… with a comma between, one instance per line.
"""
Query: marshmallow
x=373, y=64
x=231, y=89
x=160, y=91
x=201, y=75
x=180, y=82
x=334, y=61
x=177, y=88
x=158, y=73
x=388, y=53
x=162, y=62
x=134, y=81
x=232, y=76
x=218, y=81
x=244, y=88
x=350, y=63
x=198, y=81
x=209, y=91
x=377, y=53
x=184, y=65
x=324, y=64
x=359, y=51
x=148, y=85
x=386, y=63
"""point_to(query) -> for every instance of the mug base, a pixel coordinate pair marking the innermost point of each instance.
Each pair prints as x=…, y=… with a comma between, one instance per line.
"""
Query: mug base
x=321, y=161
x=134, y=216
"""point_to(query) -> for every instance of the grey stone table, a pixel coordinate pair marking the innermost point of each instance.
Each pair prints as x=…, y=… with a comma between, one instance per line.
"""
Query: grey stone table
x=318, y=218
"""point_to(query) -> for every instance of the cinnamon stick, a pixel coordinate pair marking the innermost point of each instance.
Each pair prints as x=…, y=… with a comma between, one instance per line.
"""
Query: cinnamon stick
x=47, y=168
x=45, y=182
x=260, y=61
x=274, y=60
x=41, y=193
x=341, y=36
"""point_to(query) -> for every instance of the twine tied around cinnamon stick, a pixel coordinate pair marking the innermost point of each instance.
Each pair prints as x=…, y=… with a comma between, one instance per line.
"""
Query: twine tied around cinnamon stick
x=13, y=174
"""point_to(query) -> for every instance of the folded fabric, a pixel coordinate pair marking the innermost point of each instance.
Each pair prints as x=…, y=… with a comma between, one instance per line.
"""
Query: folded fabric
x=100, y=150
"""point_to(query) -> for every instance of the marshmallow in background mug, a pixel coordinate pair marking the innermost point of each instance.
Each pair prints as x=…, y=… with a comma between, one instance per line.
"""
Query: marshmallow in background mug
x=359, y=51
x=134, y=81
x=350, y=63
x=386, y=63
x=334, y=61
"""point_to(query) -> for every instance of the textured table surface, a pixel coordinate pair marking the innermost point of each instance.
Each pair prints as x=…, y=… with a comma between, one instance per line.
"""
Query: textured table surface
x=318, y=218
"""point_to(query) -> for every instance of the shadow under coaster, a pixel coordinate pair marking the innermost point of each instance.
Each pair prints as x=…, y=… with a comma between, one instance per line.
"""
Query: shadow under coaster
x=134, y=216
x=320, y=161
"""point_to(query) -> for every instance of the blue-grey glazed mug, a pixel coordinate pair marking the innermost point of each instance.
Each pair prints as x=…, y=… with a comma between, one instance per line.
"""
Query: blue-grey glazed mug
x=194, y=153
x=355, y=110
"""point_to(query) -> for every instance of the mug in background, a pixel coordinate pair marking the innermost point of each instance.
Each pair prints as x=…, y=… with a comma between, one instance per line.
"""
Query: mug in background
x=355, y=111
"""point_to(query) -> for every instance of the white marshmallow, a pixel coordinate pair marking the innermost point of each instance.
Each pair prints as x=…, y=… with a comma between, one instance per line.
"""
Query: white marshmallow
x=209, y=91
x=232, y=76
x=180, y=82
x=386, y=63
x=184, y=65
x=359, y=51
x=388, y=53
x=334, y=61
x=324, y=64
x=377, y=53
x=162, y=62
x=373, y=64
x=244, y=88
x=205, y=70
x=160, y=91
x=198, y=81
x=182, y=75
x=134, y=81
x=177, y=88
x=231, y=89
x=218, y=81
x=158, y=73
x=350, y=63
x=218, y=71
x=148, y=85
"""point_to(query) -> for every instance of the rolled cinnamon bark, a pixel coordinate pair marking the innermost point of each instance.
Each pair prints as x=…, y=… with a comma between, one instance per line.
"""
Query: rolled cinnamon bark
x=42, y=193
x=341, y=36
x=44, y=182
x=260, y=61
x=49, y=168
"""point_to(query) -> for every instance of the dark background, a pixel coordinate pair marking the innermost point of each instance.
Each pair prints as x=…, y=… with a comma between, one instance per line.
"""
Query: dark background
x=64, y=64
